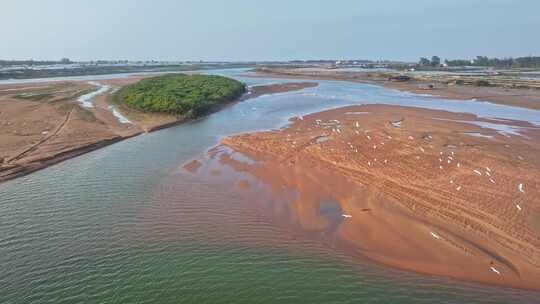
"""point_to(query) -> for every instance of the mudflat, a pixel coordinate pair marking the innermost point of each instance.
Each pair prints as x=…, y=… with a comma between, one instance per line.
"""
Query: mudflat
x=444, y=87
x=260, y=90
x=422, y=190
x=45, y=123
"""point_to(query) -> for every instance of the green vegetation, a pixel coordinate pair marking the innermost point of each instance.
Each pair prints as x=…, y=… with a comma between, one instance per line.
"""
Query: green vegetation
x=34, y=62
x=20, y=70
x=483, y=61
x=35, y=96
x=424, y=61
x=435, y=61
x=49, y=95
x=181, y=94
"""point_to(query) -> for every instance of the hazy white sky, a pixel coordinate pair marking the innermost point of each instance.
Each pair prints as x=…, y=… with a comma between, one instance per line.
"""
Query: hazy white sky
x=267, y=30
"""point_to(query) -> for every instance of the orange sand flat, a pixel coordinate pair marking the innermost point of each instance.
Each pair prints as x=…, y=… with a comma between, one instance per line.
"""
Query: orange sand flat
x=417, y=191
x=516, y=97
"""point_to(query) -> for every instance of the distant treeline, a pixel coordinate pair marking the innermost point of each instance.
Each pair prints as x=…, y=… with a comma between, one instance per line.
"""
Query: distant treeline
x=25, y=73
x=483, y=61
x=521, y=62
x=34, y=62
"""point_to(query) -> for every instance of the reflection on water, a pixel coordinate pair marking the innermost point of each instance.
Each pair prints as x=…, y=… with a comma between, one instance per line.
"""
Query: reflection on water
x=127, y=224
x=269, y=217
x=501, y=128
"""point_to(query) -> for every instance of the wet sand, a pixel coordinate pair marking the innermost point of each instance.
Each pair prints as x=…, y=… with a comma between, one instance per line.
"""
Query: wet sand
x=524, y=98
x=260, y=90
x=421, y=190
x=517, y=97
x=44, y=123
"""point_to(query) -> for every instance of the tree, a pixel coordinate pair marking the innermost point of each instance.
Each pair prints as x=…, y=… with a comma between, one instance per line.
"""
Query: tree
x=435, y=61
x=458, y=62
x=424, y=61
x=481, y=61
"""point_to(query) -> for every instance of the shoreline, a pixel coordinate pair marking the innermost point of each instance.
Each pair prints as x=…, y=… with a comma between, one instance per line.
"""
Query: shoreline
x=28, y=75
x=34, y=166
x=517, y=97
x=415, y=193
x=100, y=104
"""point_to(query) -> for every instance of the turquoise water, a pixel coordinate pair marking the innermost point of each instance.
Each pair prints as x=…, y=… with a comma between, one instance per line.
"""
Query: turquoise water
x=116, y=226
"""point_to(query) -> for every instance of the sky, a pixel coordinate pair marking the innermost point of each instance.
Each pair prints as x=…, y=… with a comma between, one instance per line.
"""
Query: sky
x=245, y=30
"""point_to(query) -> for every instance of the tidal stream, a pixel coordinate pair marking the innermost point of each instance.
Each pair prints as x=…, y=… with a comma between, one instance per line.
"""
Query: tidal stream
x=118, y=226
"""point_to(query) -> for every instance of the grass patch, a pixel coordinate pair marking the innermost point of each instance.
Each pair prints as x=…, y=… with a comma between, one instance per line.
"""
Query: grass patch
x=85, y=114
x=35, y=96
x=77, y=94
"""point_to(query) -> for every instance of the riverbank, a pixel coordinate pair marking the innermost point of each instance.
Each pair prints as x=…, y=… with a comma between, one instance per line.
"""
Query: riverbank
x=25, y=71
x=509, y=91
x=46, y=123
x=257, y=91
x=422, y=190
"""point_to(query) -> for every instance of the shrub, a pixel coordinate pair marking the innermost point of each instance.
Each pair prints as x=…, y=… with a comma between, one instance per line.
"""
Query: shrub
x=177, y=94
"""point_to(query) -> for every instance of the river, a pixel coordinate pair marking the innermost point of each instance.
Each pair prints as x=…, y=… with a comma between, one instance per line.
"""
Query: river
x=106, y=228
